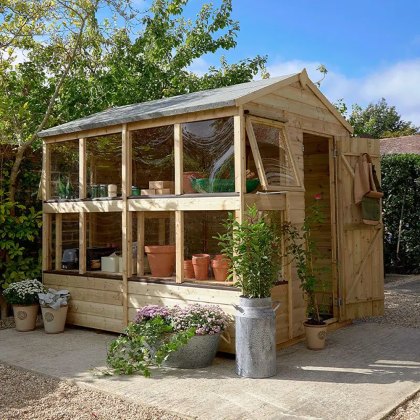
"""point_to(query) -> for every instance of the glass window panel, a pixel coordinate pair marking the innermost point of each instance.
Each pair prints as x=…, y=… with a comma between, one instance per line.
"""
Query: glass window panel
x=64, y=170
x=275, y=155
x=153, y=161
x=104, y=163
x=209, y=156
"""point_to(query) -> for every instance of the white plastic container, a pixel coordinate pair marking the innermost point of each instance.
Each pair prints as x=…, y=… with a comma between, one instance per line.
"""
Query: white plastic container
x=112, y=190
x=110, y=264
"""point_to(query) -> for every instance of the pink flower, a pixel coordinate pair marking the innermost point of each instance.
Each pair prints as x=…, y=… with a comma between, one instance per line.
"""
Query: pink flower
x=318, y=196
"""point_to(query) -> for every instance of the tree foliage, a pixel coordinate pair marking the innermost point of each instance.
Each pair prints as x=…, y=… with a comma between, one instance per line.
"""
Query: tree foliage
x=401, y=212
x=379, y=120
x=77, y=65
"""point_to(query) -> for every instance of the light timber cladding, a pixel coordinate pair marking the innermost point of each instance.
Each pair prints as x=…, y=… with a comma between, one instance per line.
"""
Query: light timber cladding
x=314, y=155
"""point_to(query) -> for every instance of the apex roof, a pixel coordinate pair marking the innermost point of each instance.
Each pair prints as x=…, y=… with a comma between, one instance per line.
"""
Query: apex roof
x=191, y=102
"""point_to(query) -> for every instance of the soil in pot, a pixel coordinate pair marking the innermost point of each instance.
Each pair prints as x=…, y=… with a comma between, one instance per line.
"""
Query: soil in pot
x=201, y=264
x=315, y=335
x=189, y=269
x=25, y=316
x=220, y=265
x=54, y=319
x=161, y=259
x=187, y=176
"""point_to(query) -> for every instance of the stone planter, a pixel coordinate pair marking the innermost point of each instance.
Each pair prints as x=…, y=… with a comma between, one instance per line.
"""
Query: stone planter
x=315, y=336
x=54, y=319
x=199, y=352
x=161, y=259
x=255, y=325
x=25, y=316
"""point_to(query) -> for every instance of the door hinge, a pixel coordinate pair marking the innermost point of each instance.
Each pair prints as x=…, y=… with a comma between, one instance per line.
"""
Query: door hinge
x=335, y=153
x=338, y=302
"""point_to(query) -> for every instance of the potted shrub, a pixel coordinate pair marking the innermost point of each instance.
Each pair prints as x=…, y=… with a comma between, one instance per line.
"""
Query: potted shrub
x=301, y=246
x=177, y=337
x=54, y=310
x=23, y=296
x=253, y=250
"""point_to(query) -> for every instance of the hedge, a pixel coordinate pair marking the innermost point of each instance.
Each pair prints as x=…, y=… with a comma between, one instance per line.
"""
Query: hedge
x=401, y=212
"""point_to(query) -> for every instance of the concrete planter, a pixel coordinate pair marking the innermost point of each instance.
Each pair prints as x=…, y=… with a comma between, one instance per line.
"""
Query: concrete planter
x=315, y=336
x=255, y=338
x=199, y=352
x=25, y=316
x=54, y=319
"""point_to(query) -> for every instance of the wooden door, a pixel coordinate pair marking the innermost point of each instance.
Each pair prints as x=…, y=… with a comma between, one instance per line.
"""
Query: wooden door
x=359, y=246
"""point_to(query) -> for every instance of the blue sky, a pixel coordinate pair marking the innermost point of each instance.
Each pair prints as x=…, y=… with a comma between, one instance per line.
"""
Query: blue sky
x=371, y=48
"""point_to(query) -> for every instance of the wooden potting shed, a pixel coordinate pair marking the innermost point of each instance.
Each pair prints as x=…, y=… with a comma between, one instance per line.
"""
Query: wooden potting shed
x=167, y=172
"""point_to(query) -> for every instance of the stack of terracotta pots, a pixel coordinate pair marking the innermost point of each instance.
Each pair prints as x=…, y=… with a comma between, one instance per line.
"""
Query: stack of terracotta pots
x=201, y=263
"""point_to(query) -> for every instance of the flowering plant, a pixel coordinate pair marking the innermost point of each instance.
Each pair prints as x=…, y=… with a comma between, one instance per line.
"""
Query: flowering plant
x=24, y=292
x=158, y=331
x=205, y=319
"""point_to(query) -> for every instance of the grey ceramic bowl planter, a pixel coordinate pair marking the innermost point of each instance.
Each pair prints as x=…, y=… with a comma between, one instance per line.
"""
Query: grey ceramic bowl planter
x=255, y=337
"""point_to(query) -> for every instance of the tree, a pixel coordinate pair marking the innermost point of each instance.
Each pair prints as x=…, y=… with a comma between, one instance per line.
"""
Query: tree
x=380, y=120
x=77, y=66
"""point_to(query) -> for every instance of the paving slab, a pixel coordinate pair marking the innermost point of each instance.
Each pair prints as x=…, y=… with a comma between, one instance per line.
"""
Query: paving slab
x=365, y=371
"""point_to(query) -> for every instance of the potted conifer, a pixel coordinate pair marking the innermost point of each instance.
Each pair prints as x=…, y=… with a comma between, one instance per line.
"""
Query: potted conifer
x=253, y=250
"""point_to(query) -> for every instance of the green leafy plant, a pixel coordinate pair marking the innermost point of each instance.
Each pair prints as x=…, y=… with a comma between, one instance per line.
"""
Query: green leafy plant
x=19, y=230
x=65, y=188
x=253, y=248
x=158, y=331
x=302, y=248
x=401, y=212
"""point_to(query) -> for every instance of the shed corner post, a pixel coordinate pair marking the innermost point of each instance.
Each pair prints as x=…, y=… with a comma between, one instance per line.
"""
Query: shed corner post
x=126, y=223
x=45, y=195
x=240, y=161
x=179, y=214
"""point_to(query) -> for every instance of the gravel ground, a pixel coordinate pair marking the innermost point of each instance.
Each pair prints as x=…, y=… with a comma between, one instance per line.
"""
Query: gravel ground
x=26, y=395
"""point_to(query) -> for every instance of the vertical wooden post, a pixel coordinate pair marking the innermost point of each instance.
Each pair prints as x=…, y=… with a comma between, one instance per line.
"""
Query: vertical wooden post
x=127, y=231
x=46, y=218
x=82, y=242
x=58, y=240
x=140, y=243
x=289, y=274
x=179, y=215
x=179, y=158
x=82, y=169
x=179, y=245
x=240, y=163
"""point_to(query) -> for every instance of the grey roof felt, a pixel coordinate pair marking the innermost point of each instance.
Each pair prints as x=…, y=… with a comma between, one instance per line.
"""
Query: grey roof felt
x=176, y=105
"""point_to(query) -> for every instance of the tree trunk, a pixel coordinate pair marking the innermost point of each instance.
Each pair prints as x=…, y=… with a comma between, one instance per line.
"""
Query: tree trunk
x=20, y=155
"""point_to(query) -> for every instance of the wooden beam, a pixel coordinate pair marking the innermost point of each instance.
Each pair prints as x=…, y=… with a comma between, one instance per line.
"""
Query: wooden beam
x=239, y=153
x=196, y=203
x=126, y=221
x=209, y=114
x=256, y=153
x=179, y=245
x=94, y=132
x=82, y=242
x=82, y=169
x=46, y=242
x=100, y=206
x=140, y=243
x=179, y=159
x=46, y=172
x=58, y=240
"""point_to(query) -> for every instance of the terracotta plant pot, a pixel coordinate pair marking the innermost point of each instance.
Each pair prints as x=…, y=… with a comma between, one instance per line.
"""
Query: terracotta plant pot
x=25, y=316
x=188, y=189
x=220, y=265
x=189, y=269
x=54, y=319
x=201, y=264
x=161, y=259
x=315, y=336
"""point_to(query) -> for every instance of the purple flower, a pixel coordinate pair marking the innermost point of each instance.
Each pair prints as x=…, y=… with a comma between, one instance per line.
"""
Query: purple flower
x=151, y=311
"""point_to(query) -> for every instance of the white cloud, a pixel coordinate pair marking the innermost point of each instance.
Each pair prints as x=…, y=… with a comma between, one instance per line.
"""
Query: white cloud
x=398, y=83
